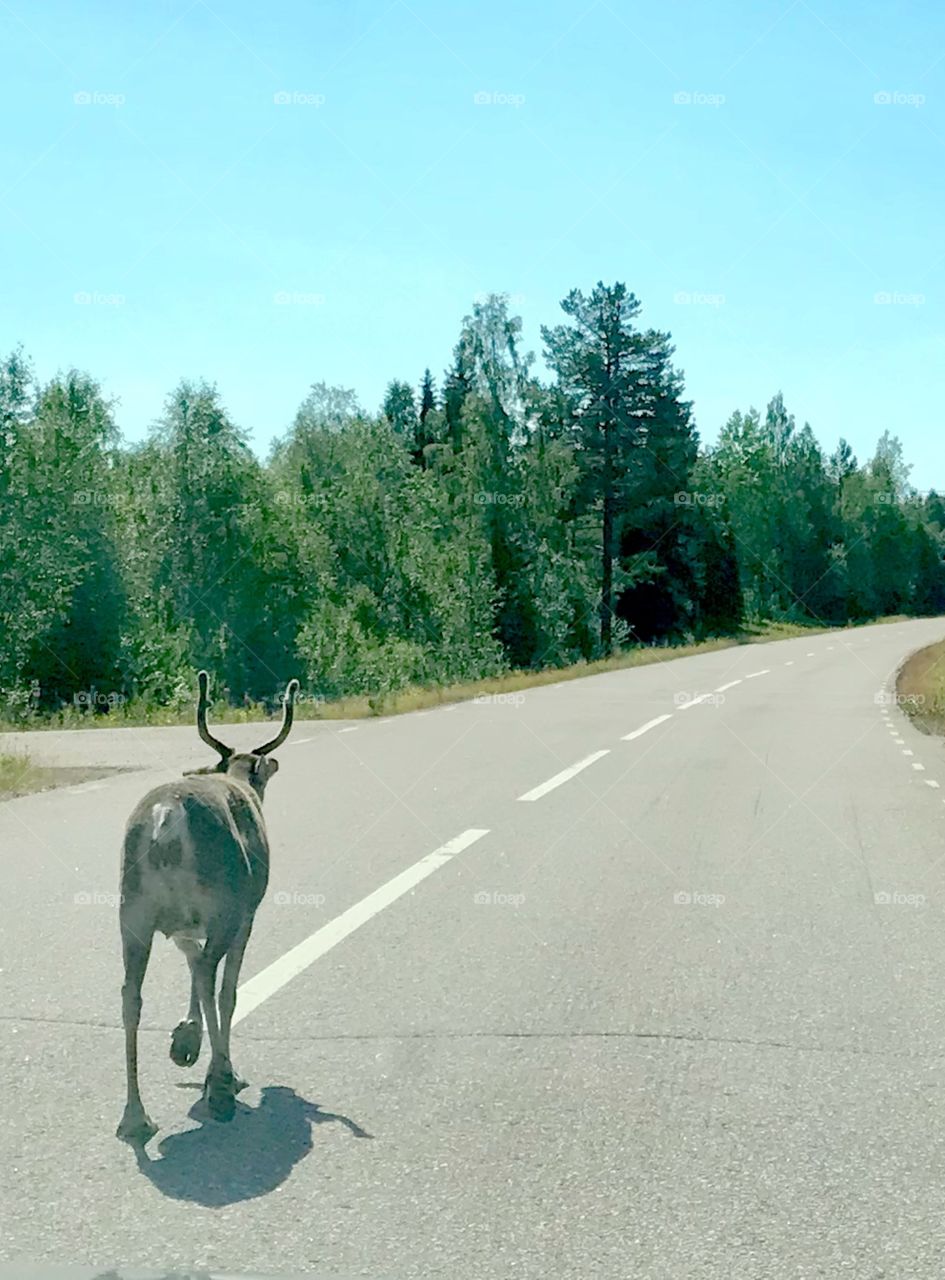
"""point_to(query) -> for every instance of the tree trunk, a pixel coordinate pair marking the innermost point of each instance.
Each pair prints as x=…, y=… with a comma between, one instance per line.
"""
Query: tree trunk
x=607, y=548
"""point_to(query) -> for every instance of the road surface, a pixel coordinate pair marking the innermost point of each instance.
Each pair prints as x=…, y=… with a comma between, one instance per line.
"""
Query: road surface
x=637, y=975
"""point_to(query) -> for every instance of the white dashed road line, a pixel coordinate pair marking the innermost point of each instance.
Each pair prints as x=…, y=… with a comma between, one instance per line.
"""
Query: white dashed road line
x=564, y=776
x=751, y=675
x=907, y=751
x=275, y=976
x=645, y=728
x=693, y=702
x=731, y=685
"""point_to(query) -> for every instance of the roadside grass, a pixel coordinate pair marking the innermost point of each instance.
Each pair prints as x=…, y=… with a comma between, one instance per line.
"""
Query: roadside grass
x=17, y=775
x=920, y=688
x=20, y=776
x=136, y=713
x=415, y=699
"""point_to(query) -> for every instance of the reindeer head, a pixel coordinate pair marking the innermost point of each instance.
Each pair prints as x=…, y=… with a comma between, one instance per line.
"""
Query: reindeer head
x=252, y=768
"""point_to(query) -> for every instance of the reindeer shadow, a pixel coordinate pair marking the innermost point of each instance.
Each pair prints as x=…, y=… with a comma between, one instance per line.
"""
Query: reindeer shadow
x=221, y=1164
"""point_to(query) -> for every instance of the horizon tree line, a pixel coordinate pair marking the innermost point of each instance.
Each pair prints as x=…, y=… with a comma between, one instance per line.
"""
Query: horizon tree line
x=492, y=522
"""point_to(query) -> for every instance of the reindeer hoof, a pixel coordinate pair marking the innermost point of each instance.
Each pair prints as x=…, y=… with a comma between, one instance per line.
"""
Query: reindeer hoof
x=221, y=1104
x=219, y=1091
x=185, y=1043
x=136, y=1127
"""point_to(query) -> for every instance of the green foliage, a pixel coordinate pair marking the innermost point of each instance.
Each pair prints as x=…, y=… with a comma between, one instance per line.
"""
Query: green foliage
x=504, y=523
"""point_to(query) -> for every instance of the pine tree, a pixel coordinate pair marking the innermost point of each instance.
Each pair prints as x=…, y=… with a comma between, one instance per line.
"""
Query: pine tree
x=606, y=369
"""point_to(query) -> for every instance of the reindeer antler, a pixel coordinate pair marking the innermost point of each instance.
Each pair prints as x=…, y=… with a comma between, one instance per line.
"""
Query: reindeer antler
x=287, y=714
x=202, y=704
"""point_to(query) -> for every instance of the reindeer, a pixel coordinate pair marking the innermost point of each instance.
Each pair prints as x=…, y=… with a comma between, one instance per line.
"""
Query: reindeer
x=195, y=866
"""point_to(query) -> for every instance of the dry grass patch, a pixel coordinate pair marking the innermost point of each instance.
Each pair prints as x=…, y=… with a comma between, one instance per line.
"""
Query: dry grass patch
x=19, y=776
x=920, y=688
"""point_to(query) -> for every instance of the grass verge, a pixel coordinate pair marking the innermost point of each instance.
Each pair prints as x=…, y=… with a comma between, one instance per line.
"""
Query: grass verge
x=416, y=698
x=920, y=688
x=19, y=776
x=16, y=775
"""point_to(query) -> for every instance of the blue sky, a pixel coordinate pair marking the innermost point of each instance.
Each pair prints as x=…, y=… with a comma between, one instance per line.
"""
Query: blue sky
x=783, y=223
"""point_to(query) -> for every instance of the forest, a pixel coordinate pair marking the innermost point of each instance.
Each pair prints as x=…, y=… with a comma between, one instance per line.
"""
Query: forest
x=478, y=522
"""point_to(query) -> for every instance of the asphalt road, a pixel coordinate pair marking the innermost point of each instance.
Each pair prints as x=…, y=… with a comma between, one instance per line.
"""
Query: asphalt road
x=680, y=1015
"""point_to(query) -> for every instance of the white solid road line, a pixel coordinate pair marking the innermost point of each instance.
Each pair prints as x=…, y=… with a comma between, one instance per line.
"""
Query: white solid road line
x=644, y=728
x=564, y=776
x=275, y=976
x=731, y=685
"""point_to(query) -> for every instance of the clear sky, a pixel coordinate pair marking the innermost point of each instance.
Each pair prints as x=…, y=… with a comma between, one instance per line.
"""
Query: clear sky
x=151, y=166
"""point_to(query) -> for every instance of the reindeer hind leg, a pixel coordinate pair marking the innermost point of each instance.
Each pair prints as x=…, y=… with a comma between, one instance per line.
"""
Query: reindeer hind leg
x=219, y=1090
x=135, y=1125
x=187, y=1035
x=231, y=973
